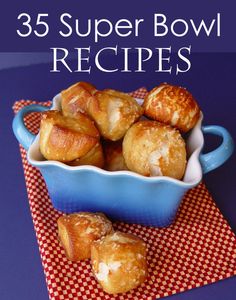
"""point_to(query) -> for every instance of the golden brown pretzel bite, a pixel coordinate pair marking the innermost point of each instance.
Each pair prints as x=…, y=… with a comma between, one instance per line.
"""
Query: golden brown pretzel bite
x=172, y=105
x=76, y=98
x=77, y=232
x=151, y=148
x=119, y=262
x=114, y=159
x=65, y=139
x=94, y=157
x=113, y=112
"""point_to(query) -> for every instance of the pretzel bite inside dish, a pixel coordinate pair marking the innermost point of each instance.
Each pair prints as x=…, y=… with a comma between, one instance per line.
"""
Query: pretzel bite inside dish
x=76, y=98
x=119, y=262
x=65, y=139
x=114, y=159
x=94, y=157
x=151, y=148
x=77, y=232
x=172, y=105
x=113, y=112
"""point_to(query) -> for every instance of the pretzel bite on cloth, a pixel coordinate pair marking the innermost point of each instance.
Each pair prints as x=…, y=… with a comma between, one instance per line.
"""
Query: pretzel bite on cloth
x=66, y=139
x=172, y=105
x=119, y=262
x=151, y=148
x=77, y=232
x=113, y=112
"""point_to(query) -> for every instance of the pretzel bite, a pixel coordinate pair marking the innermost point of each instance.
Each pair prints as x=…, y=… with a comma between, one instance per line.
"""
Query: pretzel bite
x=76, y=98
x=119, y=262
x=151, y=148
x=65, y=139
x=77, y=232
x=114, y=159
x=113, y=112
x=94, y=157
x=172, y=105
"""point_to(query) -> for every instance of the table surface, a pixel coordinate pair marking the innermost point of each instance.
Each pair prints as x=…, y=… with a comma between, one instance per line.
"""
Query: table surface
x=211, y=80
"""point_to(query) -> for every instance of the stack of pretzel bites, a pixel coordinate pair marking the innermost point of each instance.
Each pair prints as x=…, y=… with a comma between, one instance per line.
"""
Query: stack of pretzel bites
x=103, y=128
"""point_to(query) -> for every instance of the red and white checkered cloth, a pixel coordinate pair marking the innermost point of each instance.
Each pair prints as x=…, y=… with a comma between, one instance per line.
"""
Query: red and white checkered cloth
x=197, y=249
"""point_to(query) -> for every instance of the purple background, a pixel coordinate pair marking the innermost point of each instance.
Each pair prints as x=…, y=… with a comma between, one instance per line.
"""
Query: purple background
x=114, y=10
x=211, y=80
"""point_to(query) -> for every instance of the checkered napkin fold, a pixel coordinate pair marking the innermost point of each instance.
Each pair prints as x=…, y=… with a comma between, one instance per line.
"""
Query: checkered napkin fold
x=197, y=249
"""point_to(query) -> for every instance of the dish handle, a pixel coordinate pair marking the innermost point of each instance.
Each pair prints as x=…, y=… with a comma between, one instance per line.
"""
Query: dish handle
x=220, y=155
x=23, y=135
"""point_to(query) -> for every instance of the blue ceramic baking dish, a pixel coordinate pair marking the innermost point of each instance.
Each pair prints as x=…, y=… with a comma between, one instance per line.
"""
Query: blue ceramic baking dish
x=122, y=195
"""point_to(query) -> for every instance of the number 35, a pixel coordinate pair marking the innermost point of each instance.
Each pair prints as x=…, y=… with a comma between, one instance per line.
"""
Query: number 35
x=44, y=28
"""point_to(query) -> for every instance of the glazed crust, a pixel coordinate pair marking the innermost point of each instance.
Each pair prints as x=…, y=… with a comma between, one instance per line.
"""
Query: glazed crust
x=94, y=157
x=172, y=105
x=65, y=139
x=76, y=98
x=113, y=112
x=151, y=148
x=77, y=232
x=119, y=262
x=114, y=159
